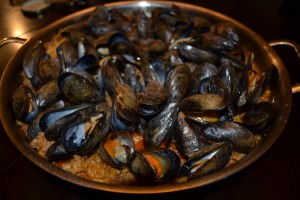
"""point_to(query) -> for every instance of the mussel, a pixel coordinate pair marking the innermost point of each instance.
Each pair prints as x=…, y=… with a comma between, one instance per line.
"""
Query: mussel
x=210, y=159
x=152, y=99
x=125, y=109
x=156, y=166
x=243, y=140
x=85, y=134
x=159, y=129
x=187, y=140
x=117, y=149
x=79, y=89
x=24, y=104
x=32, y=60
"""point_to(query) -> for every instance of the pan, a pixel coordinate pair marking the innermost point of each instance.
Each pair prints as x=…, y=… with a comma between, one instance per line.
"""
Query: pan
x=265, y=56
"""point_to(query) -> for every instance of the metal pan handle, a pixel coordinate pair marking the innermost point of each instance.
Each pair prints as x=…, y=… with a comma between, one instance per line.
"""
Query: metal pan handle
x=8, y=40
x=296, y=47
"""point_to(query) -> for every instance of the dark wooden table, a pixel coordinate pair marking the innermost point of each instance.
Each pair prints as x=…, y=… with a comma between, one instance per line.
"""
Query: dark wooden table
x=275, y=175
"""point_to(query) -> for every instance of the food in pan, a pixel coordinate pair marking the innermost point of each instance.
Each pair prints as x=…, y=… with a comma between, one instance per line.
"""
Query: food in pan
x=147, y=97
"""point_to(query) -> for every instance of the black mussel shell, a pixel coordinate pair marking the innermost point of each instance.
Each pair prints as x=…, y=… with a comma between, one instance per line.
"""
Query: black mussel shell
x=243, y=140
x=159, y=128
x=57, y=152
x=117, y=149
x=197, y=54
x=203, y=102
x=84, y=133
x=24, y=104
x=187, y=140
x=34, y=127
x=201, y=72
x=126, y=103
x=134, y=78
x=108, y=77
x=47, y=94
x=258, y=117
x=79, y=89
x=53, y=123
x=152, y=99
x=31, y=63
x=177, y=82
x=156, y=166
x=210, y=159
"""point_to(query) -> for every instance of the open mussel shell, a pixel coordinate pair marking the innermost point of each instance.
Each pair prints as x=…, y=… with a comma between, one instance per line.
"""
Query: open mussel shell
x=258, y=118
x=156, y=166
x=210, y=159
x=34, y=127
x=84, y=133
x=52, y=123
x=117, y=149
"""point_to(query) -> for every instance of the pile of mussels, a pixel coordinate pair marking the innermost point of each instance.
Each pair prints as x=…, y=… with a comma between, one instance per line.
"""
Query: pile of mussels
x=162, y=75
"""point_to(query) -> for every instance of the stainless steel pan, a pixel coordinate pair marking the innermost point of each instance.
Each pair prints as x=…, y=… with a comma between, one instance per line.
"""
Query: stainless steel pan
x=265, y=56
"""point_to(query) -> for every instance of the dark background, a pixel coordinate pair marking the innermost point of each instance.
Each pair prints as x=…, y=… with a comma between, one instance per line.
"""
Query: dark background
x=275, y=175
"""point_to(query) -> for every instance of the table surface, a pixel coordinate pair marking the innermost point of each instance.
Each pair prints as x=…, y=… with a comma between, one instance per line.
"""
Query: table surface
x=275, y=175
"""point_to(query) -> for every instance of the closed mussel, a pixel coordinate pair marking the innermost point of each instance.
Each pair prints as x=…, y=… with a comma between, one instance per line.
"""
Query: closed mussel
x=199, y=103
x=242, y=139
x=197, y=54
x=47, y=94
x=202, y=71
x=177, y=82
x=159, y=129
x=67, y=54
x=125, y=110
x=79, y=89
x=32, y=60
x=258, y=117
x=134, y=78
x=187, y=140
x=108, y=76
x=24, y=104
x=228, y=31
